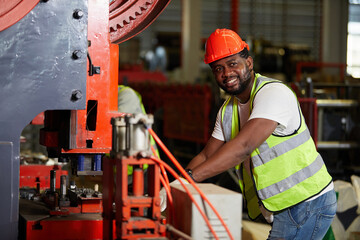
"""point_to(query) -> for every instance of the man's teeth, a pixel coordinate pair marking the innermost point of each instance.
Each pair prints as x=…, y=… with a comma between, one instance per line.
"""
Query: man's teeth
x=231, y=81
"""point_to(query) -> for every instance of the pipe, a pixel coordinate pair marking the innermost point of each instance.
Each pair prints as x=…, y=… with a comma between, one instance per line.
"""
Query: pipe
x=190, y=180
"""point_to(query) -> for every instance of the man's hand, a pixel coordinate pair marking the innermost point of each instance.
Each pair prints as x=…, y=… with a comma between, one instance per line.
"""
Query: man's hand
x=163, y=195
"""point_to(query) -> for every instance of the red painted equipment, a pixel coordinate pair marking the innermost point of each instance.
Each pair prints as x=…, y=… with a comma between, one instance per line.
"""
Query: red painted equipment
x=137, y=211
x=137, y=215
x=31, y=175
x=38, y=225
x=128, y=18
x=89, y=130
x=69, y=133
x=39, y=119
x=12, y=11
x=76, y=215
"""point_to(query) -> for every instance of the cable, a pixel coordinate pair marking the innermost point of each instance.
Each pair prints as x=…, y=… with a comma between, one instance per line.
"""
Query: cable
x=161, y=167
x=189, y=179
x=172, y=171
x=165, y=182
x=164, y=174
x=154, y=151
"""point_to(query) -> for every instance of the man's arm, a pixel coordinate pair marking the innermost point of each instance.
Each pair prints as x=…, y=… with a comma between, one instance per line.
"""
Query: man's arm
x=230, y=154
x=211, y=147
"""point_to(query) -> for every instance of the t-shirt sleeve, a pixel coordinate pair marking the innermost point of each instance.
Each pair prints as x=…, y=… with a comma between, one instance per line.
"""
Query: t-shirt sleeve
x=128, y=102
x=275, y=101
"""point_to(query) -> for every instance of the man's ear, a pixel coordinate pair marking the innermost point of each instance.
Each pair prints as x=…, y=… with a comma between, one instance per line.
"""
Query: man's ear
x=250, y=63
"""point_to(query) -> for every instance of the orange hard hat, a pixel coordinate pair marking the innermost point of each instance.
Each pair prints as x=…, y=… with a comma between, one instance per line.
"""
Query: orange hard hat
x=223, y=43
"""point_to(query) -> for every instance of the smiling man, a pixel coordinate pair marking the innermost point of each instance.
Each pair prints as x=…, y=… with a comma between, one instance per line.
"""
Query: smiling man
x=261, y=131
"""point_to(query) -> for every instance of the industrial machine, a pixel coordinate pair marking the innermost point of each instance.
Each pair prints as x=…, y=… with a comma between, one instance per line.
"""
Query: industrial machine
x=137, y=212
x=60, y=57
x=137, y=208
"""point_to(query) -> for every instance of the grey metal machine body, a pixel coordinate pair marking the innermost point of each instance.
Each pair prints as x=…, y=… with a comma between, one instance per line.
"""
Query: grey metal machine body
x=38, y=73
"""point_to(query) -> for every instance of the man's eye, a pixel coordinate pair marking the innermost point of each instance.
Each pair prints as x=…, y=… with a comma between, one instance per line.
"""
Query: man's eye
x=232, y=64
x=218, y=69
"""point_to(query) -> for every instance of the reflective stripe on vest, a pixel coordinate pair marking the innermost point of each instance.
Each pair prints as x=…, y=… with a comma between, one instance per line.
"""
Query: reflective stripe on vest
x=285, y=169
x=267, y=153
x=230, y=119
x=292, y=180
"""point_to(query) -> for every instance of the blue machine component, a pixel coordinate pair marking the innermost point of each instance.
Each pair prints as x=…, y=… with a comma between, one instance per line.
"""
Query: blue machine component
x=81, y=162
x=97, y=162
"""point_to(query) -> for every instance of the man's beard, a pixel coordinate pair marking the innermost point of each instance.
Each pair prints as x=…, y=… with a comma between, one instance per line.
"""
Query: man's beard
x=244, y=83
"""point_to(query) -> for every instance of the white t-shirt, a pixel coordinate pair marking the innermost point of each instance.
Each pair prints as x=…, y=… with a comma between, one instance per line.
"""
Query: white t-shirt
x=274, y=101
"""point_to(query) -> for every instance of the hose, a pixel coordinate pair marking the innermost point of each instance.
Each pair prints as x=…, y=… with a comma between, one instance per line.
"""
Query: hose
x=172, y=171
x=189, y=179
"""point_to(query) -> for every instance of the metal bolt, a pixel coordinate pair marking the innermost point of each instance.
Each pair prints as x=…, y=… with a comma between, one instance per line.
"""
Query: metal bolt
x=76, y=95
x=78, y=14
x=76, y=54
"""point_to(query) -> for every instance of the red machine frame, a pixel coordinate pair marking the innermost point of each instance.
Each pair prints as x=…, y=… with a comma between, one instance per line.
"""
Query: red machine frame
x=29, y=174
x=131, y=209
x=89, y=131
x=90, y=128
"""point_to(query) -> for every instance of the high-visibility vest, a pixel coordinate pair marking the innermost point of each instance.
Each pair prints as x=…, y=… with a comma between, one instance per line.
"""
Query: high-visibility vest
x=152, y=141
x=285, y=170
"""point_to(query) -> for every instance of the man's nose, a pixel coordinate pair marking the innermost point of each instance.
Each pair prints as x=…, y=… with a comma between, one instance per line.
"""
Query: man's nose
x=227, y=71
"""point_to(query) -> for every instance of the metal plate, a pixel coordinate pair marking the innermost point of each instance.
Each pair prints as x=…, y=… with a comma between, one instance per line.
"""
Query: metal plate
x=38, y=73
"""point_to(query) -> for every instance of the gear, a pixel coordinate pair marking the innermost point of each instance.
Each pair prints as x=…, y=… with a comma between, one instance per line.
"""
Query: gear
x=129, y=17
x=12, y=11
x=126, y=12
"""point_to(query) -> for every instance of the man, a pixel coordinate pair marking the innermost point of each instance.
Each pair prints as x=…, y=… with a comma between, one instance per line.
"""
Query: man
x=261, y=131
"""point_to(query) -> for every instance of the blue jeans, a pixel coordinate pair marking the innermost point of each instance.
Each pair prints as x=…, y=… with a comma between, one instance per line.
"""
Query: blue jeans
x=307, y=220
